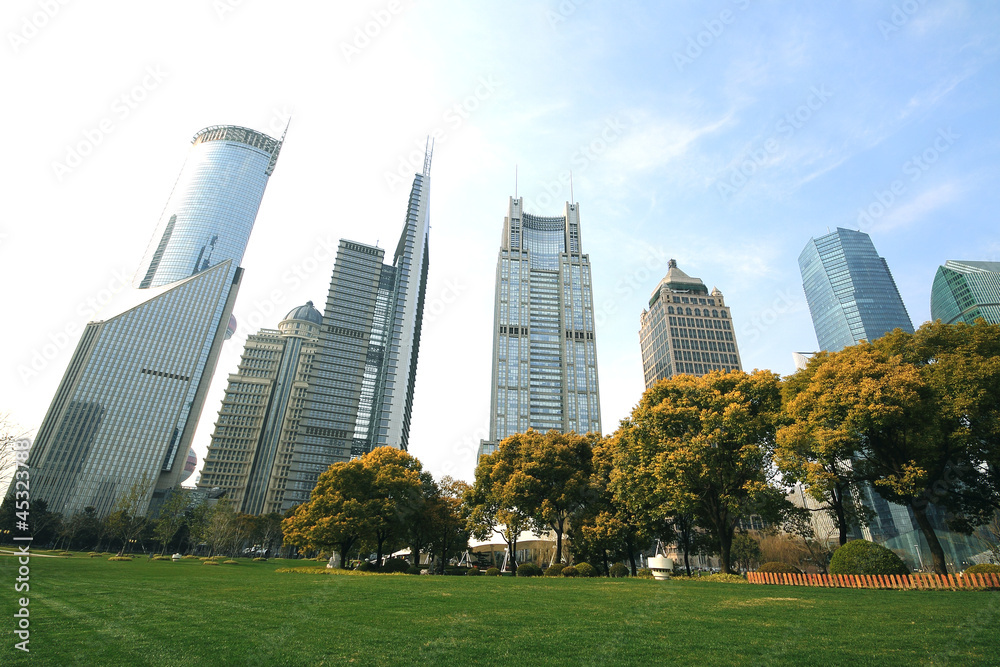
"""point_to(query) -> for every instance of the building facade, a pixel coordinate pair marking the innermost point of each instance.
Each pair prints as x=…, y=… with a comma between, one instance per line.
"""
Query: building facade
x=251, y=448
x=544, y=343
x=686, y=330
x=360, y=393
x=850, y=291
x=127, y=407
x=965, y=291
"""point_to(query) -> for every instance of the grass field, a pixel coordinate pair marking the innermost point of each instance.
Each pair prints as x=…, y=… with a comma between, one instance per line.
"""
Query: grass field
x=93, y=612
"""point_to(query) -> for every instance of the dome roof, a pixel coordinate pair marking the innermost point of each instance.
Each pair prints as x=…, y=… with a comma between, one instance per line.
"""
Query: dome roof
x=306, y=313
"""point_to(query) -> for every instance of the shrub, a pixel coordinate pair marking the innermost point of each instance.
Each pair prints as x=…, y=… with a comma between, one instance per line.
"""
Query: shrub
x=492, y=572
x=777, y=567
x=585, y=569
x=413, y=569
x=619, y=570
x=570, y=571
x=528, y=570
x=120, y=558
x=94, y=554
x=189, y=557
x=210, y=562
x=230, y=562
x=161, y=558
x=260, y=559
x=474, y=572
x=64, y=553
x=724, y=578
x=864, y=557
x=396, y=565
x=644, y=573
x=984, y=568
x=554, y=570
x=365, y=566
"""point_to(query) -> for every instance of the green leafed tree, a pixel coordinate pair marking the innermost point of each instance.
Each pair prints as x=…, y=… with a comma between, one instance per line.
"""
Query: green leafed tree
x=702, y=446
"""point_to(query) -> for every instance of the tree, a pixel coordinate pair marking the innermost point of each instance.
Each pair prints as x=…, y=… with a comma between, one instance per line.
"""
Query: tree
x=126, y=521
x=609, y=528
x=702, y=446
x=449, y=532
x=746, y=552
x=372, y=497
x=171, y=517
x=550, y=477
x=395, y=495
x=816, y=452
x=921, y=413
x=494, y=507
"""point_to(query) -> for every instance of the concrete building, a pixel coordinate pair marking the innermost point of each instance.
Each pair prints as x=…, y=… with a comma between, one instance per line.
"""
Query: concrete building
x=360, y=393
x=251, y=448
x=544, y=344
x=127, y=407
x=686, y=330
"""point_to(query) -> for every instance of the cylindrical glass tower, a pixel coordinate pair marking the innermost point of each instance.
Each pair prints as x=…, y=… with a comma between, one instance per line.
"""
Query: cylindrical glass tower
x=211, y=210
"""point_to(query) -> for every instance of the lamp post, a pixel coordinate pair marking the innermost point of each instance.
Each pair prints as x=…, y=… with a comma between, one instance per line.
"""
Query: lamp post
x=919, y=556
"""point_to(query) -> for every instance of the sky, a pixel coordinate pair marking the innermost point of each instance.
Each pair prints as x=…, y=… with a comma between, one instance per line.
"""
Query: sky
x=721, y=133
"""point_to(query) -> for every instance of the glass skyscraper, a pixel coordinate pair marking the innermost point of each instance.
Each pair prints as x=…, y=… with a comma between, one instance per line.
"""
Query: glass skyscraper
x=850, y=291
x=965, y=291
x=361, y=386
x=686, y=330
x=544, y=343
x=127, y=407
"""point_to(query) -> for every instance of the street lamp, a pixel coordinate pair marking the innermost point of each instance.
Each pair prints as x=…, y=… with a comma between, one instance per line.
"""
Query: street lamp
x=919, y=556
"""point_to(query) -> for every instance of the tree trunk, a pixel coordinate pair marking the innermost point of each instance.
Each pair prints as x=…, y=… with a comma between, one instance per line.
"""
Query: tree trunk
x=725, y=547
x=607, y=568
x=558, y=530
x=937, y=553
x=687, y=562
x=837, y=502
x=631, y=555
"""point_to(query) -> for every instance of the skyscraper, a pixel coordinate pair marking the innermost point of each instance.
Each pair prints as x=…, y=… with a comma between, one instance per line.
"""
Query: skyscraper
x=127, y=407
x=850, y=291
x=544, y=344
x=965, y=291
x=251, y=448
x=686, y=330
x=360, y=393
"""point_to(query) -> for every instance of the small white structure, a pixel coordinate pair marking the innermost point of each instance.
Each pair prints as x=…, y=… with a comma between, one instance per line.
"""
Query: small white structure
x=661, y=566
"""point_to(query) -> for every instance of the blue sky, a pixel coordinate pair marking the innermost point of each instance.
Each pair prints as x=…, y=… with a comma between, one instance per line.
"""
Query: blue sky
x=723, y=134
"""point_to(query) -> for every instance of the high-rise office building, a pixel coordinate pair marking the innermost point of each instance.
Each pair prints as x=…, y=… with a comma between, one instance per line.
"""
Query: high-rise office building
x=544, y=343
x=686, y=330
x=251, y=448
x=966, y=291
x=360, y=393
x=850, y=291
x=852, y=297
x=127, y=407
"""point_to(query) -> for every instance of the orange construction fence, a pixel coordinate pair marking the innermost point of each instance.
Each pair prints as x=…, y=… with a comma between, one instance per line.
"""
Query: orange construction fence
x=921, y=581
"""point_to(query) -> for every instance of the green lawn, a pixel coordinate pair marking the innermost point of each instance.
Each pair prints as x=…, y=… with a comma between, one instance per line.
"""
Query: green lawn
x=93, y=612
